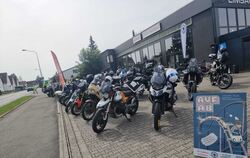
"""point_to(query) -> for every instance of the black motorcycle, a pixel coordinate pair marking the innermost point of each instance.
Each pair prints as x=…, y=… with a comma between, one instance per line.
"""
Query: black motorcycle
x=192, y=77
x=218, y=73
x=162, y=95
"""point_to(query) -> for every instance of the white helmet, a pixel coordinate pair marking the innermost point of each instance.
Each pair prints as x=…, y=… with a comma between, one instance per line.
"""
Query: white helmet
x=172, y=75
x=109, y=78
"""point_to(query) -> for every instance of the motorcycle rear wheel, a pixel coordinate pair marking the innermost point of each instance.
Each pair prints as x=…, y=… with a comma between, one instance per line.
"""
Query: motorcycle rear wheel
x=99, y=123
x=225, y=81
x=75, y=110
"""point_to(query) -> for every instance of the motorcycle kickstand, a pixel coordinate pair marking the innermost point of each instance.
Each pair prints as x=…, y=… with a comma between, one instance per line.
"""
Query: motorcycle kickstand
x=174, y=113
x=125, y=115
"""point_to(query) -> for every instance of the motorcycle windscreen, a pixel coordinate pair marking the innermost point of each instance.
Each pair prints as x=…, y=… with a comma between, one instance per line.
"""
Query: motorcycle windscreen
x=158, y=80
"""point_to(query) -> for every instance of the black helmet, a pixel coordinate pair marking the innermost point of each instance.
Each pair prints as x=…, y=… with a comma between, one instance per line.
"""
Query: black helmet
x=130, y=75
x=89, y=78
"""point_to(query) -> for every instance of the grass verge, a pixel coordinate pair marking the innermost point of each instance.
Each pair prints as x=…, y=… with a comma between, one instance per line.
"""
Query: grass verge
x=12, y=105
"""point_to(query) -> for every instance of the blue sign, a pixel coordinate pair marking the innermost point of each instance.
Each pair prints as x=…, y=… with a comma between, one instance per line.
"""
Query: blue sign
x=220, y=125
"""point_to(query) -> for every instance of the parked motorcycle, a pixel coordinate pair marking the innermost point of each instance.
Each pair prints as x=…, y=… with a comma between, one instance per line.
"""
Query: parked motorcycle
x=82, y=96
x=89, y=107
x=115, y=102
x=162, y=93
x=218, y=73
x=192, y=77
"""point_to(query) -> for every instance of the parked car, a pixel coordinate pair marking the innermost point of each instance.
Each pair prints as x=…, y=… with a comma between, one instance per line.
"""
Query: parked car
x=29, y=89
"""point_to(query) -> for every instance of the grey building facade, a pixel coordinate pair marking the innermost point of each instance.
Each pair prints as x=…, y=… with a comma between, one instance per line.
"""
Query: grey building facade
x=208, y=22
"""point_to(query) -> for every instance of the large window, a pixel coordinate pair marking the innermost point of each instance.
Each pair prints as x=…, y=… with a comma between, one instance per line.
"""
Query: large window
x=138, y=56
x=151, y=51
x=248, y=16
x=145, y=53
x=222, y=17
x=231, y=19
x=157, y=47
x=241, y=17
x=168, y=44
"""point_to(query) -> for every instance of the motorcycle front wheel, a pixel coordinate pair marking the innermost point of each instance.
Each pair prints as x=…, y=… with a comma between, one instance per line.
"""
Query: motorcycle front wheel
x=225, y=81
x=88, y=111
x=68, y=107
x=193, y=89
x=157, y=116
x=134, y=106
x=75, y=110
x=99, y=122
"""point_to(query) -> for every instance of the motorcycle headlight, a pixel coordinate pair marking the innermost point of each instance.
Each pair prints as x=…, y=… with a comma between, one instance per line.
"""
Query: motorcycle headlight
x=157, y=86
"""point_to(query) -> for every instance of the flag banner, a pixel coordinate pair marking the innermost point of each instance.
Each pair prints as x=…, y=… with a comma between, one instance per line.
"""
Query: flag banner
x=184, y=39
x=58, y=68
x=220, y=125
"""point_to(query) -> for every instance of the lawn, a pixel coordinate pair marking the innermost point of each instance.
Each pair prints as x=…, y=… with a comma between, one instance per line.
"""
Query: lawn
x=10, y=106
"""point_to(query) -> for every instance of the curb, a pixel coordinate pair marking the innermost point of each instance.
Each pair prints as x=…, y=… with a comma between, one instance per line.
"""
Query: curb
x=71, y=143
x=2, y=116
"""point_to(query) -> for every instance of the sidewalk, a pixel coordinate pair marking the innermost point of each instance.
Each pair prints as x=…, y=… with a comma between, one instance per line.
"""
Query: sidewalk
x=31, y=130
x=137, y=139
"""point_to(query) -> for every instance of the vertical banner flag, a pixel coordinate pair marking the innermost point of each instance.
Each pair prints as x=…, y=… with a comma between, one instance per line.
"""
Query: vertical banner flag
x=58, y=68
x=184, y=39
x=220, y=125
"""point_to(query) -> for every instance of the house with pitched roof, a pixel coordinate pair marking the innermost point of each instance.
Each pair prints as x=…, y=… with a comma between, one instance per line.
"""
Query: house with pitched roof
x=7, y=86
x=1, y=85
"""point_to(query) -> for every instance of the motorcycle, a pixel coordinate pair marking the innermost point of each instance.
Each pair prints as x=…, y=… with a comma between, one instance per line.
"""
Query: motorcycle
x=192, y=77
x=82, y=96
x=115, y=103
x=218, y=73
x=162, y=93
x=89, y=107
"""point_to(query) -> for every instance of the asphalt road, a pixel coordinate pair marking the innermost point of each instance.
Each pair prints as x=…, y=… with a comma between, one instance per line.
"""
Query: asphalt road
x=5, y=99
x=31, y=131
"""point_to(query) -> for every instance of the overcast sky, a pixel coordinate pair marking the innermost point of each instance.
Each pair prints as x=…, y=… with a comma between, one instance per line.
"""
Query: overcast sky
x=64, y=26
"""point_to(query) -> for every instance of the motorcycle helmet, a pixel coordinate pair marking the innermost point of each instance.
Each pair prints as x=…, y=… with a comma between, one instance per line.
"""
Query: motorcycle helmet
x=111, y=73
x=89, y=78
x=130, y=75
x=97, y=79
x=108, y=79
x=172, y=75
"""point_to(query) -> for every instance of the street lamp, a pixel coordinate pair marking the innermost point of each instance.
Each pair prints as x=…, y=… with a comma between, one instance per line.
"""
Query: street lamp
x=32, y=51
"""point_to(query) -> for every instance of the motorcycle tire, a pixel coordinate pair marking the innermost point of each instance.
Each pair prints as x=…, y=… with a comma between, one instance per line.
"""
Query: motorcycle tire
x=75, y=110
x=134, y=108
x=88, y=111
x=65, y=101
x=221, y=81
x=157, y=116
x=193, y=89
x=68, y=107
x=98, y=120
x=61, y=99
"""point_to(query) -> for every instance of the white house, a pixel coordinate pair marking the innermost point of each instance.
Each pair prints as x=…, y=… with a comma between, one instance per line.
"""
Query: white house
x=70, y=73
x=1, y=85
x=7, y=86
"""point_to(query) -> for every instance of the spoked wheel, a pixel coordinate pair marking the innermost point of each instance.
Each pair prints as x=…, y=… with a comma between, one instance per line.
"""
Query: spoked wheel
x=225, y=81
x=76, y=110
x=157, y=117
x=99, y=122
x=88, y=111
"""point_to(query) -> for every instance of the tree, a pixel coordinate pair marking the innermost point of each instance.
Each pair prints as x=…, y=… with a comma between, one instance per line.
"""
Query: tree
x=90, y=60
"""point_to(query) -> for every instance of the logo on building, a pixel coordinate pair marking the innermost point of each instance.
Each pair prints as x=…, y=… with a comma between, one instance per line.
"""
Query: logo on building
x=239, y=1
